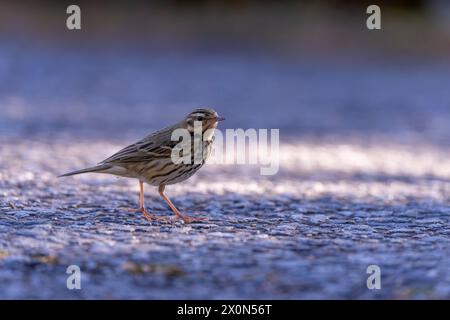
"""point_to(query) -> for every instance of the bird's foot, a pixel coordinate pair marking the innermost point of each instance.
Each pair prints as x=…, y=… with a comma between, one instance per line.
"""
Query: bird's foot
x=148, y=216
x=189, y=219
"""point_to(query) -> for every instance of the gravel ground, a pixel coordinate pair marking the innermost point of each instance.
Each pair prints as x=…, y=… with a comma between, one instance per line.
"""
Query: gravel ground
x=372, y=189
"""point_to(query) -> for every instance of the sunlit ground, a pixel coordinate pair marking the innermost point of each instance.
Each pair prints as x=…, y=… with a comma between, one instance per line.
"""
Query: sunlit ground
x=308, y=232
x=382, y=171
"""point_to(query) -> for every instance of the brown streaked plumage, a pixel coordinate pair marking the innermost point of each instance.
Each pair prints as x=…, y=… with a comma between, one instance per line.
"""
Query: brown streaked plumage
x=150, y=160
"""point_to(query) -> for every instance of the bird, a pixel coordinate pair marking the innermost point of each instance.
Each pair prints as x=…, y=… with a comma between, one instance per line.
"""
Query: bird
x=155, y=159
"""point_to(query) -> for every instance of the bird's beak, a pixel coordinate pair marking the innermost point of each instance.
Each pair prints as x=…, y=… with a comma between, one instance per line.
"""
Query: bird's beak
x=220, y=118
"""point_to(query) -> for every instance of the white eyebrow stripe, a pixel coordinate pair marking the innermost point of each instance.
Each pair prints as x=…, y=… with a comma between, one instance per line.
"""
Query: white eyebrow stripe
x=197, y=114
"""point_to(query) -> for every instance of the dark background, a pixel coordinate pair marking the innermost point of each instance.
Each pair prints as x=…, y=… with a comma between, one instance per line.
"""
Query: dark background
x=307, y=67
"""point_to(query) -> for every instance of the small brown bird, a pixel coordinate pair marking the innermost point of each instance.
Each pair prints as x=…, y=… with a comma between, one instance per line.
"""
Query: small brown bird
x=156, y=158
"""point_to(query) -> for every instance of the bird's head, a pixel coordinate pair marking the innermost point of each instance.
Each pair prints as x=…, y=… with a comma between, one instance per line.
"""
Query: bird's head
x=207, y=117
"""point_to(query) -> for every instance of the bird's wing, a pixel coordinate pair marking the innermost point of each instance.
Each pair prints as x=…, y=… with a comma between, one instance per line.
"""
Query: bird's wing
x=155, y=146
x=139, y=152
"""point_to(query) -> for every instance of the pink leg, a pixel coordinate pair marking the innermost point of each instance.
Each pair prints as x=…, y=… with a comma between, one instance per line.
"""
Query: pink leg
x=185, y=218
x=147, y=215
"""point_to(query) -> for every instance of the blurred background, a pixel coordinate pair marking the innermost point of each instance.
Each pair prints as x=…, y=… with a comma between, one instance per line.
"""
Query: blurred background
x=364, y=156
x=310, y=68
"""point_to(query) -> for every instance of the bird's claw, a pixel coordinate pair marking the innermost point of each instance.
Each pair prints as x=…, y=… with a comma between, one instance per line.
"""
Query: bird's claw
x=189, y=219
x=148, y=216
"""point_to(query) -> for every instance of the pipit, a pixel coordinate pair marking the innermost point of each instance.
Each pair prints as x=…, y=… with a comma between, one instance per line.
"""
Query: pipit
x=162, y=158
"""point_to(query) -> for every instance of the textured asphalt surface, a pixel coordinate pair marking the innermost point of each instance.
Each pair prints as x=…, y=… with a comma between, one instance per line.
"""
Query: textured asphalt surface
x=364, y=180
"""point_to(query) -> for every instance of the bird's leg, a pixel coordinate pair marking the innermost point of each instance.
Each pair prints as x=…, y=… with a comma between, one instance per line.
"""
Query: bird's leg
x=185, y=218
x=147, y=215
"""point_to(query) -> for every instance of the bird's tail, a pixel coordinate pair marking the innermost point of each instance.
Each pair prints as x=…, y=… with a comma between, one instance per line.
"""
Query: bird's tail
x=98, y=168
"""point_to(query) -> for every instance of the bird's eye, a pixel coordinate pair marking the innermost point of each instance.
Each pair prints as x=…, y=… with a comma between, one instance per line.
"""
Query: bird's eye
x=199, y=118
